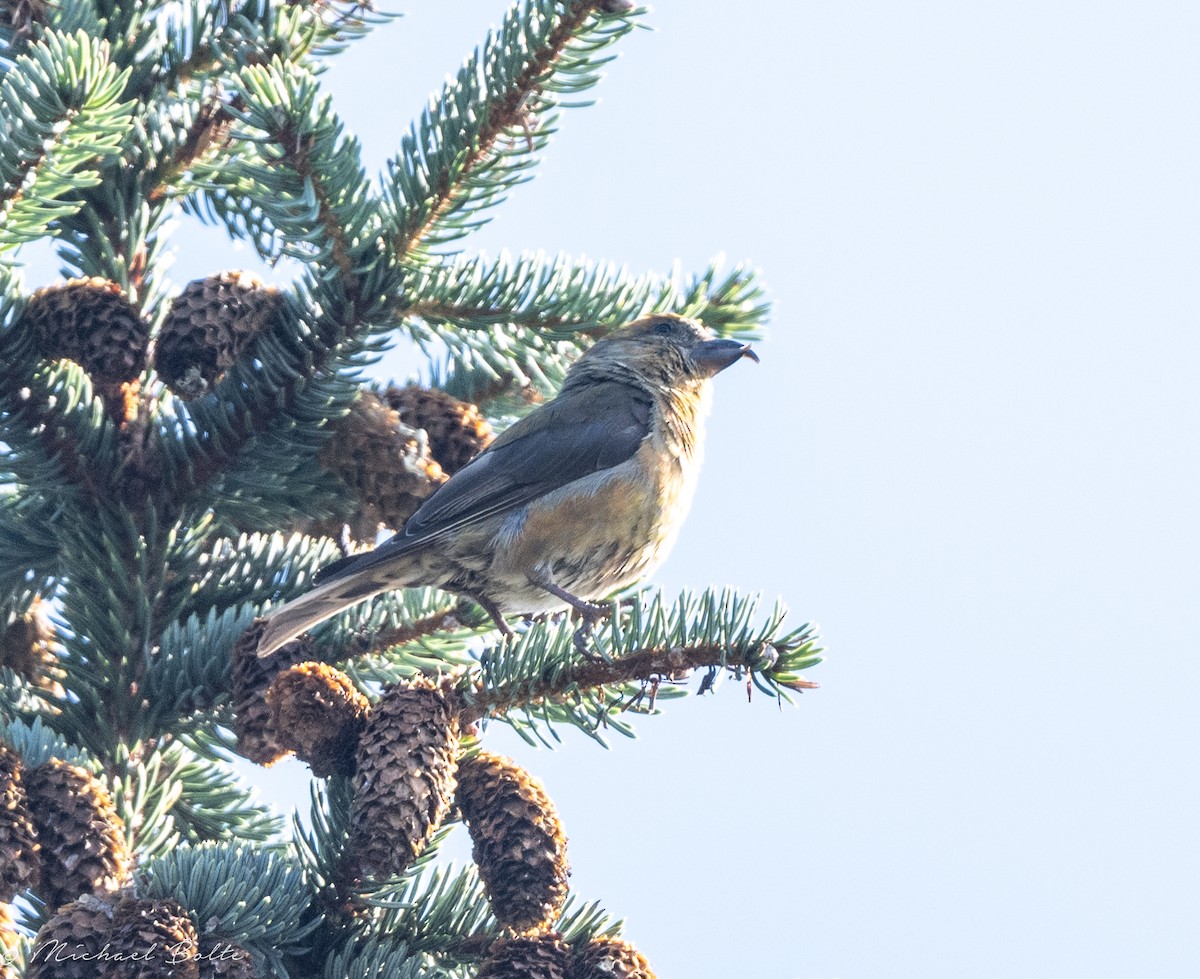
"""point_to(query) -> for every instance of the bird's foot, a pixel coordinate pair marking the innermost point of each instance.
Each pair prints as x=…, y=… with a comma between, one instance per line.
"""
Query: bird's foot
x=591, y=613
x=580, y=640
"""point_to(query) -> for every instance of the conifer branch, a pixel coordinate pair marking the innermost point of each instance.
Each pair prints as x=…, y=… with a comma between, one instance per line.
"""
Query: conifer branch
x=340, y=247
x=252, y=569
x=213, y=804
x=457, y=162
x=256, y=898
x=202, y=40
x=573, y=297
x=59, y=103
x=306, y=180
x=642, y=645
x=209, y=128
x=309, y=177
x=514, y=325
x=50, y=424
x=438, y=910
x=532, y=291
x=645, y=666
x=414, y=631
x=312, y=192
x=27, y=540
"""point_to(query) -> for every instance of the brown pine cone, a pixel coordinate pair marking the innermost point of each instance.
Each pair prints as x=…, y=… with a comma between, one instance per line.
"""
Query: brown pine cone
x=22, y=15
x=318, y=713
x=457, y=430
x=251, y=677
x=404, y=782
x=70, y=944
x=520, y=847
x=209, y=324
x=82, y=839
x=386, y=465
x=155, y=939
x=25, y=648
x=20, y=865
x=609, y=958
x=530, y=957
x=10, y=943
x=90, y=322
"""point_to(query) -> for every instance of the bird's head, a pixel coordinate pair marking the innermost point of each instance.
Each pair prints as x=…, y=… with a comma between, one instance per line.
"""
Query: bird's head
x=664, y=349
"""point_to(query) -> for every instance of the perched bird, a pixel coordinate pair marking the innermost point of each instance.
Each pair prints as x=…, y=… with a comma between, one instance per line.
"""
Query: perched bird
x=582, y=497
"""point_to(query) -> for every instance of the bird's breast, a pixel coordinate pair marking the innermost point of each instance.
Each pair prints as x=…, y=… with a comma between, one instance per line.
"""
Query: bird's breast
x=605, y=531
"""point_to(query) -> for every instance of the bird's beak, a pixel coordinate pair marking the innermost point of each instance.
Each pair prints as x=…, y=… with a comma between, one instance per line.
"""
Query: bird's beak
x=713, y=356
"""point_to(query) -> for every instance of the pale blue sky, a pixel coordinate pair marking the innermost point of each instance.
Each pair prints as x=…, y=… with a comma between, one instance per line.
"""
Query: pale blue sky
x=968, y=453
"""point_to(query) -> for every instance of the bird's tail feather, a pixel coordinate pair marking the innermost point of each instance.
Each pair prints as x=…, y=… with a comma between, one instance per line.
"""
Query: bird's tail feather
x=324, y=601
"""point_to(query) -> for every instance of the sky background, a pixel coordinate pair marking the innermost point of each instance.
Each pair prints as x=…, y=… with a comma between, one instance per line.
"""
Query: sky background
x=968, y=452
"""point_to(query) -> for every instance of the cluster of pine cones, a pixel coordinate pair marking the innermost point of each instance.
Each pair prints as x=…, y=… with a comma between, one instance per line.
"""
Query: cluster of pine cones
x=410, y=775
x=91, y=322
x=393, y=449
x=61, y=837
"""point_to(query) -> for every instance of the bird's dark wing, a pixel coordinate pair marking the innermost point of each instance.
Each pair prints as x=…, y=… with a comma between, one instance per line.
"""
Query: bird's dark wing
x=584, y=430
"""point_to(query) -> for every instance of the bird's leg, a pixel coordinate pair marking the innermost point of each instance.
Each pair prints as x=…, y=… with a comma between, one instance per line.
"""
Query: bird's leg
x=493, y=610
x=591, y=612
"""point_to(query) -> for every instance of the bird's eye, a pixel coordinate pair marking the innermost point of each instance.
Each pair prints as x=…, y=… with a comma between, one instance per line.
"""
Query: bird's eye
x=666, y=328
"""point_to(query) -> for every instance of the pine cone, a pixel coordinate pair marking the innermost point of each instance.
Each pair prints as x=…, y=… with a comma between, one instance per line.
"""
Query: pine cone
x=520, y=848
x=405, y=777
x=609, y=958
x=90, y=322
x=156, y=940
x=10, y=943
x=22, y=15
x=385, y=463
x=81, y=836
x=19, y=863
x=537, y=957
x=457, y=430
x=209, y=324
x=25, y=648
x=251, y=677
x=69, y=945
x=317, y=712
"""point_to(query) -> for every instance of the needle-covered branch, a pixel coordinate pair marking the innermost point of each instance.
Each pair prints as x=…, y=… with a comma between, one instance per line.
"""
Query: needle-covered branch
x=27, y=541
x=300, y=184
x=415, y=630
x=309, y=178
x=435, y=907
x=255, y=898
x=213, y=803
x=570, y=296
x=199, y=40
x=539, y=678
x=51, y=427
x=507, y=330
x=63, y=121
x=257, y=568
x=479, y=137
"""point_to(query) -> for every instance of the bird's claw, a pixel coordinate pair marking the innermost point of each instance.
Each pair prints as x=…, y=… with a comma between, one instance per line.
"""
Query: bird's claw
x=591, y=613
x=580, y=640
